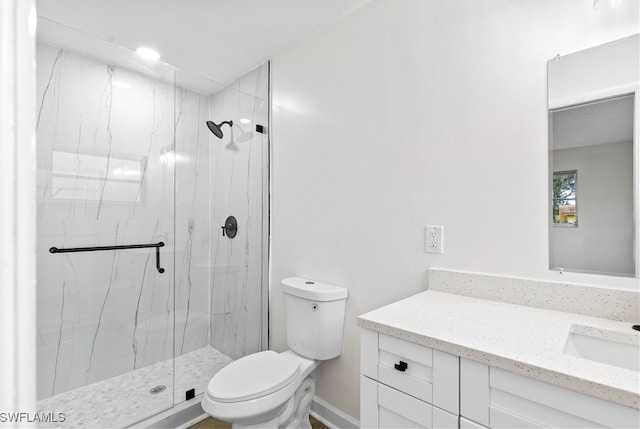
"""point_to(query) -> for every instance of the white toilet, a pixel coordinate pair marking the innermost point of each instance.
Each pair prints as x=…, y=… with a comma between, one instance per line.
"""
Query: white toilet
x=274, y=390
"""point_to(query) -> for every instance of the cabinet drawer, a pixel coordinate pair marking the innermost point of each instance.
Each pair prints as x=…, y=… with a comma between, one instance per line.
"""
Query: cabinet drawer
x=429, y=375
x=406, y=366
x=385, y=407
x=396, y=410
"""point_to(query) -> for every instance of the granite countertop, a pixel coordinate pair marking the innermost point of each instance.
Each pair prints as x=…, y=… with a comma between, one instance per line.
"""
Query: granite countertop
x=524, y=340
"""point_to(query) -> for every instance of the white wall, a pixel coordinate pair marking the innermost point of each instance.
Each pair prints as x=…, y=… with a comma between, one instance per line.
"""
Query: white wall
x=603, y=239
x=413, y=113
x=17, y=209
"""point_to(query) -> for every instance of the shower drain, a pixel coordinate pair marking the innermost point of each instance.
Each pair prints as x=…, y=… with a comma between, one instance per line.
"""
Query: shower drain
x=157, y=389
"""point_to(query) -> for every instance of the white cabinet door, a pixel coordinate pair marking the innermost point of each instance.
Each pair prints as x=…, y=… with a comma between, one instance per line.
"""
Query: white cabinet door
x=497, y=398
x=369, y=353
x=474, y=391
x=368, y=403
x=446, y=381
x=553, y=406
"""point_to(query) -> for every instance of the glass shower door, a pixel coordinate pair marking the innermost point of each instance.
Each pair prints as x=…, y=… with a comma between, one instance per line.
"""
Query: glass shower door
x=105, y=141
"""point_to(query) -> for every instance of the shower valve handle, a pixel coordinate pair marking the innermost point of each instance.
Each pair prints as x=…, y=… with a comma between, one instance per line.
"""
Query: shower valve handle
x=230, y=227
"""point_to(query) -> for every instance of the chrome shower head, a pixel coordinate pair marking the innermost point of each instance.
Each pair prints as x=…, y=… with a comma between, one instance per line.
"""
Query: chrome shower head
x=215, y=128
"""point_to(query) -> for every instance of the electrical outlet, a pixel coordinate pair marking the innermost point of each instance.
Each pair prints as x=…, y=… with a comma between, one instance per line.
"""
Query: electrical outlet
x=434, y=239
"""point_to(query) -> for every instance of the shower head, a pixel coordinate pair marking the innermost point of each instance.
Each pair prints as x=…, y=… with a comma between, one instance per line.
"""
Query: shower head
x=215, y=128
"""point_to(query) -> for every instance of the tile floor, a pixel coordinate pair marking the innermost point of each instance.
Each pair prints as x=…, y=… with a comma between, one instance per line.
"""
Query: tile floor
x=125, y=399
x=211, y=423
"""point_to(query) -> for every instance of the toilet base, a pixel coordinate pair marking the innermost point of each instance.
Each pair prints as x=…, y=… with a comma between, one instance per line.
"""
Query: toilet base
x=294, y=414
x=271, y=424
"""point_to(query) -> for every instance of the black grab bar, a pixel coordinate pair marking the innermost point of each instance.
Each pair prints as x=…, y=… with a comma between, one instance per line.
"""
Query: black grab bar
x=157, y=245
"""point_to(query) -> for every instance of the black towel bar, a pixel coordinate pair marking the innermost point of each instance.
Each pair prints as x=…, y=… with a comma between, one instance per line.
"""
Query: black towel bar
x=157, y=245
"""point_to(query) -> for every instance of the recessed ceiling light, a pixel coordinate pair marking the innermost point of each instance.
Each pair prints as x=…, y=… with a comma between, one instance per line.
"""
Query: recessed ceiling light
x=148, y=53
x=245, y=121
x=120, y=84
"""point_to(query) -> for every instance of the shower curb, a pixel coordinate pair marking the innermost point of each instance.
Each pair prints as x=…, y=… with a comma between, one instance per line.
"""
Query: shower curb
x=182, y=416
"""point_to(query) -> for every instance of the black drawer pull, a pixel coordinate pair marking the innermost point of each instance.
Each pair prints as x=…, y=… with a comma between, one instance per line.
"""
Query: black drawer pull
x=402, y=366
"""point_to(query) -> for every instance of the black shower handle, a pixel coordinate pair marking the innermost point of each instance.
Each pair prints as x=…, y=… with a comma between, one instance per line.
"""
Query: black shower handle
x=230, y=227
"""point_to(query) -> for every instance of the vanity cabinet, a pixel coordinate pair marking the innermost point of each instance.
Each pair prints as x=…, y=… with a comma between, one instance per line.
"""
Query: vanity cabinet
x=493, y=397
x=403, y=384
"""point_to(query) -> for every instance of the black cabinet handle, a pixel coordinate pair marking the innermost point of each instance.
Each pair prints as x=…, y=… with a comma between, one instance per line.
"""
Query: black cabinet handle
x=401, y=366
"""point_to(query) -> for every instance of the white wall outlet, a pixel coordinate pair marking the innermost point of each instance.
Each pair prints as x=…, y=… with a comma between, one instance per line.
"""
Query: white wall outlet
x=434, y=236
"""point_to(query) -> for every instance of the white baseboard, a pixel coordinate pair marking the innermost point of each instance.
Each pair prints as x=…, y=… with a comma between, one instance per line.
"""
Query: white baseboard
x=332, y=417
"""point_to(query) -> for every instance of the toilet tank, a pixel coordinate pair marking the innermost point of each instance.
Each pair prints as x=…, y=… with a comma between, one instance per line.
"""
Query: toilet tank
x=314, y=316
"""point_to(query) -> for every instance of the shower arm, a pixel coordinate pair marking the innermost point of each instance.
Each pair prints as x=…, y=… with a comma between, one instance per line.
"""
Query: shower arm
x=157, y=245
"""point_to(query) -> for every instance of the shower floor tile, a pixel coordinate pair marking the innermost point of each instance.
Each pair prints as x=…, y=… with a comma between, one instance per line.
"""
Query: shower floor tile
x=123, y=400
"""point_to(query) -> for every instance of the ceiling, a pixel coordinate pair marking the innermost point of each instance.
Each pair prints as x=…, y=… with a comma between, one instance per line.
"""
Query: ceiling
x=217, y=39
x=602, y=122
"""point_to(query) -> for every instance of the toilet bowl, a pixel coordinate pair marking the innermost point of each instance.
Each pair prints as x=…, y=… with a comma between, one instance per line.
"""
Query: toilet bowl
x=262, y=389
x=274, y=390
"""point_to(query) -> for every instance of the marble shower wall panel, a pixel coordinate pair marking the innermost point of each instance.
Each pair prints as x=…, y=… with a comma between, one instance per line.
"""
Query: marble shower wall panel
x=239, y=183
x=105, y=177
x=192, y=222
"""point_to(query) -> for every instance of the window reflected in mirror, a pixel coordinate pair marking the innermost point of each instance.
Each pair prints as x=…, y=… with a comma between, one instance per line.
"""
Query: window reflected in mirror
x=565, y=202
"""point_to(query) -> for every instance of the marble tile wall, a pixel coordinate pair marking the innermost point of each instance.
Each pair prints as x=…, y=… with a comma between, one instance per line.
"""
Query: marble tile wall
x=126, y=159
x=239, y=187
x=114, y=147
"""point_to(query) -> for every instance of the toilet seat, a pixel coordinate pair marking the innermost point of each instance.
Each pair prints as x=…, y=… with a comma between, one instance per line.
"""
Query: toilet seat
x=264, y=407
x=252, y=377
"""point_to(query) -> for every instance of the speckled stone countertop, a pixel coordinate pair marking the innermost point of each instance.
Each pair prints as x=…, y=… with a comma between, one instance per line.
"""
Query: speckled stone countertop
x=524, y=340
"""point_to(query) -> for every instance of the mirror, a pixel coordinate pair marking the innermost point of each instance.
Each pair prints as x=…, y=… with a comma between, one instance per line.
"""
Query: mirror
x=593, y=160
x=592, y=187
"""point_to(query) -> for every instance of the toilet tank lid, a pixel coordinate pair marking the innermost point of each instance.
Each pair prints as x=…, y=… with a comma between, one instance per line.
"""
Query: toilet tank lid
x=313, y=290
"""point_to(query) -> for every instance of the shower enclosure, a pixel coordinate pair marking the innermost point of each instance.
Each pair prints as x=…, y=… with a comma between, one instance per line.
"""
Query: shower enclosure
x=141, y=299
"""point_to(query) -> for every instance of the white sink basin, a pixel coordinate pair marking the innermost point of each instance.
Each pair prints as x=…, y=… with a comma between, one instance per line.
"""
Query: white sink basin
x=601, y=345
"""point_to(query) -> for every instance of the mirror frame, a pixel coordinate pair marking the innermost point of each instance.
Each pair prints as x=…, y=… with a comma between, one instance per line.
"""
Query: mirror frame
x=612, y=86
